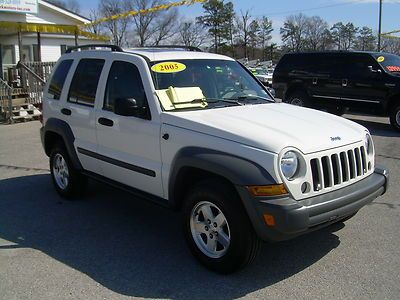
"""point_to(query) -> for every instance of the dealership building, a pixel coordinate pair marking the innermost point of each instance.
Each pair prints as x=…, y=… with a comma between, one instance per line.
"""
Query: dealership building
x=39, y=31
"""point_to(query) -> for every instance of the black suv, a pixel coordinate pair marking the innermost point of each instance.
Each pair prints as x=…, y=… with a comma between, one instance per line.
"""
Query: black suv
x=367, y=82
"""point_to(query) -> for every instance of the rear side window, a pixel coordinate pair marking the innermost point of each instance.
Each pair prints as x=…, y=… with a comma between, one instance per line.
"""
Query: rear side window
x=298, y=63
x=285, y=63
x=329, y=64
x=84, y=83
x=124, y=81
x=58, y=79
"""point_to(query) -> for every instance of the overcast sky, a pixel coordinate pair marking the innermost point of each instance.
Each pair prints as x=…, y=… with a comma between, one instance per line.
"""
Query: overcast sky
x=360, y=12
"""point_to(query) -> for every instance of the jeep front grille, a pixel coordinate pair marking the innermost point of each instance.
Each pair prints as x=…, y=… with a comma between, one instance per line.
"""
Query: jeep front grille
x=337, y=168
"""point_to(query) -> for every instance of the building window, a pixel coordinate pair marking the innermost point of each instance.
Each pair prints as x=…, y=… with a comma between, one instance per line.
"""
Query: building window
x=26, y=53
x=63, y=48
x=8, y=54
x=35, y=49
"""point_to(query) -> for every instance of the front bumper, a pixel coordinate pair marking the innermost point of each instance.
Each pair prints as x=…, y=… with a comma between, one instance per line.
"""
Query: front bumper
x=293, y=218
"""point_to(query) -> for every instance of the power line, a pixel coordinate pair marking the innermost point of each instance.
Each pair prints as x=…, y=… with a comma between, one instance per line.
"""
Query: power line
x=310, y=9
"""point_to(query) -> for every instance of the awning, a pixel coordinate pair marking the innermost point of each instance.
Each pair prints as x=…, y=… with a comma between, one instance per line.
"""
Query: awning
x=14, y=27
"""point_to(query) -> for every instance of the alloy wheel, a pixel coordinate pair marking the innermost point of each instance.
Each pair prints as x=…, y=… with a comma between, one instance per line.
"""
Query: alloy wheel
x=210, y=229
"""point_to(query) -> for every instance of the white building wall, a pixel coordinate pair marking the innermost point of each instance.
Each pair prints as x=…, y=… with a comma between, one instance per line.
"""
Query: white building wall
x=50, y=44
x=44, y=16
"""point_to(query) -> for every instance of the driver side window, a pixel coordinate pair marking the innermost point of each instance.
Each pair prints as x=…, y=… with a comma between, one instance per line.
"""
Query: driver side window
x=124, y=81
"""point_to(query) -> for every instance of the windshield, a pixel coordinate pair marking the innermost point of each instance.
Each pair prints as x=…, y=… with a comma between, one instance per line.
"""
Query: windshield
x=205, y=83
x=390, y=62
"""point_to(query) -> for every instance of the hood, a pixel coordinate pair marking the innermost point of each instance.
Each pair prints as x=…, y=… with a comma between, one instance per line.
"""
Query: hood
x=271, y=127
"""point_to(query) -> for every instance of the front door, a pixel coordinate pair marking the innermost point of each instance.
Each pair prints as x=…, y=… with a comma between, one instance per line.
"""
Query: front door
x=364, y=86
x=129, y=146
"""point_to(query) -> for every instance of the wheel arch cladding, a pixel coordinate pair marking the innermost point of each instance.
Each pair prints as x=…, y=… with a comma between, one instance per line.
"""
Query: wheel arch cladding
x=237, y=170
x=61, y=128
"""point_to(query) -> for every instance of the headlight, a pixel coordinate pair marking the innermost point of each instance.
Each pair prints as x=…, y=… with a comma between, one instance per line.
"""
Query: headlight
x=369, y=146
x=289, y=164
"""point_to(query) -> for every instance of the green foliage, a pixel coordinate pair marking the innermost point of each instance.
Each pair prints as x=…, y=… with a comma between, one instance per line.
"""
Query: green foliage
x=217, y=18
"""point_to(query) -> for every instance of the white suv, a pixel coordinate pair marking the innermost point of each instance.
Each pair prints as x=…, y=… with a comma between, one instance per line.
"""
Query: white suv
x=197, y=132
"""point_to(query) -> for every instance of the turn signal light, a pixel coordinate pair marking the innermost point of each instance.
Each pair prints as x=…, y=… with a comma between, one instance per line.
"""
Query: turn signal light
x=267, y=190
x=269, y=219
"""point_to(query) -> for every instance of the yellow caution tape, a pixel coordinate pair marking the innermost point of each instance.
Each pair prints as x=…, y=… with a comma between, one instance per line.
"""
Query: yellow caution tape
x=143, y=11
x=390, y=32
x=391, y=36
x=75, y=29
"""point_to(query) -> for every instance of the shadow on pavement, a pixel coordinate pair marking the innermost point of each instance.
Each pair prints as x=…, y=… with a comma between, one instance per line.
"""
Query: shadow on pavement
x=136, y=248
x=378, y=128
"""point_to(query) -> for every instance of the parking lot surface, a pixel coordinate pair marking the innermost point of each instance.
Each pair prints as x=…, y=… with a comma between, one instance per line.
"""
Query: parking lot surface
x=110, y=245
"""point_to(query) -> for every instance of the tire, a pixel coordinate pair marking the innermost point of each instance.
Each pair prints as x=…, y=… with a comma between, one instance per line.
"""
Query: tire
x=67, y=181
x=298, y=98
x=394, y=115
x=233, y=245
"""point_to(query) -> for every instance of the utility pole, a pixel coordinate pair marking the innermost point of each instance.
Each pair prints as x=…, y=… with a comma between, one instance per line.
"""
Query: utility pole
x=380, y=25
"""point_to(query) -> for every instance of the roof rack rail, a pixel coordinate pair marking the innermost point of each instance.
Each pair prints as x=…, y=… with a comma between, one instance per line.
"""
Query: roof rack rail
x=89, y=46
x=188, y=48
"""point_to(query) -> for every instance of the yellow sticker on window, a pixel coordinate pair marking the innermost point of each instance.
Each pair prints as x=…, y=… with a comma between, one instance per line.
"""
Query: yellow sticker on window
x=380, y=59
x=168, y=67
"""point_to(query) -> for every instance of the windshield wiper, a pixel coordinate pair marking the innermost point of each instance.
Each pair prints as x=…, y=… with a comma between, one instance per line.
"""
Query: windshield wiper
x=215, y=100
x=255, y=97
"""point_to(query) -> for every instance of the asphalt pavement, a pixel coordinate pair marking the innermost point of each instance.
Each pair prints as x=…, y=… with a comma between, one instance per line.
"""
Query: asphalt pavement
x=110, y=245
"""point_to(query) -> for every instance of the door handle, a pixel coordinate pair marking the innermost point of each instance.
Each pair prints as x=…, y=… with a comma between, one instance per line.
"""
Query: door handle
x=106, y=122
x=344, y=82
x=66, y=111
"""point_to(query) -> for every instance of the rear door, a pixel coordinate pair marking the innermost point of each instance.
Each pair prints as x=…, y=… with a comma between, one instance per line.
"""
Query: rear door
x=326, y=79
x=129, y=146
x=78, y=109
x=55, y=94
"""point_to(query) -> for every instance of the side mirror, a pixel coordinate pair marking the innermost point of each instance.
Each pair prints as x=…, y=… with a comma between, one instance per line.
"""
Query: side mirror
x=128, y=107
x=372, y=70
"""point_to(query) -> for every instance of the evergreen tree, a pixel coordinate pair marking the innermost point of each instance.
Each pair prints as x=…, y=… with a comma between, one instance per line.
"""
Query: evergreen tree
x=217, y=18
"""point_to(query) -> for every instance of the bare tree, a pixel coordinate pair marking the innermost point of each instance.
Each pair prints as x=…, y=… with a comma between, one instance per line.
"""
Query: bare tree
x=316, y=30
x=391, y=45
x=118, y=27
x=94, y=14
x=153, y=27
x=165, y=27
x=191, y=34
x=243, y=26
x=293, y=32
